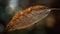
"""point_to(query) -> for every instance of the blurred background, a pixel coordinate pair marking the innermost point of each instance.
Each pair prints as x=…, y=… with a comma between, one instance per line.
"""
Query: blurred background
x=8, y=8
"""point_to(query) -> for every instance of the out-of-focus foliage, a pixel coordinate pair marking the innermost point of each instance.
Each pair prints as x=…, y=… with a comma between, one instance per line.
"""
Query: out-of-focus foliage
x=5, y=17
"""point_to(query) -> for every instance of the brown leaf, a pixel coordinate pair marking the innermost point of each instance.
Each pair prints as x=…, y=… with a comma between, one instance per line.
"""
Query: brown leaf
x=28, y=17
